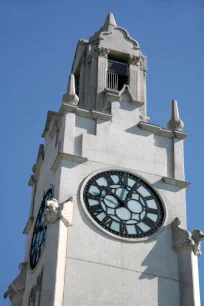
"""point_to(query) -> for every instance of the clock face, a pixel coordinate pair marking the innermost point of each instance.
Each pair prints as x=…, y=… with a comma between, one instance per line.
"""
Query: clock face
x=123, y=204
x=39, y=233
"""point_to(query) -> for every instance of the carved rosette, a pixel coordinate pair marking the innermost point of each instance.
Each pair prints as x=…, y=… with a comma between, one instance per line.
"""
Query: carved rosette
x=59, y=211
x=103, y=52
x=182, y=238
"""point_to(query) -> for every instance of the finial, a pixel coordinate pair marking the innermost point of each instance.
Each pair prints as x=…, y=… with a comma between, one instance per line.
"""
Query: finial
x=71, y=97
x=175, y=123
x=110, y=20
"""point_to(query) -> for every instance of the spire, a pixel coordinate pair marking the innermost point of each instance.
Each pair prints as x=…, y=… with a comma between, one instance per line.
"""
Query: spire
x=110, y=20
x=71, y=97
x=175, y=123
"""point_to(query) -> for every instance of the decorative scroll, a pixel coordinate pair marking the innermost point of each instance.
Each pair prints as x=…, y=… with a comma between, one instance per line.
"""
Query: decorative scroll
x=184, y=239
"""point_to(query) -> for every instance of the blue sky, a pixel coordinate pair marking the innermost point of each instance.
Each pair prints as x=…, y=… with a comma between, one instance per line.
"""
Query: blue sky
x=37, y=44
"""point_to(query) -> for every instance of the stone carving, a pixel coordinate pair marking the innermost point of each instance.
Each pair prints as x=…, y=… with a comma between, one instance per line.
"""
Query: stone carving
x=59, y=211
x=103, y=52
x=197, y=237
x=135, y=60
x=71, y=97
x=175, y=123
x=18, y=285
x=182, y=238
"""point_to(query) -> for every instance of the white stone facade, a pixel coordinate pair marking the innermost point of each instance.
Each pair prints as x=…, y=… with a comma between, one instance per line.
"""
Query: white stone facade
x=81, y=264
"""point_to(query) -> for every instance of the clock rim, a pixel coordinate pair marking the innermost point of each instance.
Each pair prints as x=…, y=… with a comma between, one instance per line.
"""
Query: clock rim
x=163, y=224
x=41, y=255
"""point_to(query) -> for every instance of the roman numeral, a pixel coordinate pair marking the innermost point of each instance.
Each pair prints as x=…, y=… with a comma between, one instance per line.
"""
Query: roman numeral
x=107, y=222
x=148, y=198
x=109, y=179
x=148, y=222
x=96, y=209
x=152, y=210
x=123, y=229
x=123, y=179
x=93, y=196
x=138, y=229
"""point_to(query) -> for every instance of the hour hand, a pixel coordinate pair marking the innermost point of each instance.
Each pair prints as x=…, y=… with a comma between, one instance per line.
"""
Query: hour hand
x=109, y=191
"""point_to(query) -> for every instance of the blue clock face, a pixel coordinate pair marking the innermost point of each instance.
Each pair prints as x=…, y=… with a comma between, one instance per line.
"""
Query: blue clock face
x=39, y=234
x=123, y=204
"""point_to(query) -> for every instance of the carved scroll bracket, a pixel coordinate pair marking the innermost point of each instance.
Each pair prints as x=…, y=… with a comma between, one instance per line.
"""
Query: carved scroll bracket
x=18, y=285
x=59, y=211
x=184, y=239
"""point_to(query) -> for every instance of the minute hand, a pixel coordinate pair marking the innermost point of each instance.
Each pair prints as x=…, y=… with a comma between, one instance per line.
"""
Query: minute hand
x=114, y=195
x=131, y=191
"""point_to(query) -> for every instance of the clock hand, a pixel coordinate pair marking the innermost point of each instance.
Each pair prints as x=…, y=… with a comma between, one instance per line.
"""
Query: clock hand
x=108, y=189
x=131, y=191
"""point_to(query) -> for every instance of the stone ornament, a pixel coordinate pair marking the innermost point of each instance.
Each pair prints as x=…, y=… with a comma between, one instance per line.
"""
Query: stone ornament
x=59, y=211
x=135, y=60
x=182, y=238
x=175, y=123
x=103, y=52
x=18, y=285
x=70, y=97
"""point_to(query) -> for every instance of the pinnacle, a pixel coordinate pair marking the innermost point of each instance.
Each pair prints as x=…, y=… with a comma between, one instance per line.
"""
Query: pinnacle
x=71, y=97
x=110, y=20
x=175, y=123
x=71, y=84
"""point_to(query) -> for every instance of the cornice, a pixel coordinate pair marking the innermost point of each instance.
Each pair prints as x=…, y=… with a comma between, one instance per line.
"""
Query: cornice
x=157, y=130
x=28, y=225
x=64, y=156
x=178, y=183
x=92, y=114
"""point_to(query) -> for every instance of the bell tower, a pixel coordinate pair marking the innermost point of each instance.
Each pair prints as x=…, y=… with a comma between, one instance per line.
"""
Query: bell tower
x=107, y=223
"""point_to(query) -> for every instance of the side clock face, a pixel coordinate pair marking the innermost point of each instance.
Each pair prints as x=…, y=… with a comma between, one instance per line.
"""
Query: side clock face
x=39, y=234
x=123, y=204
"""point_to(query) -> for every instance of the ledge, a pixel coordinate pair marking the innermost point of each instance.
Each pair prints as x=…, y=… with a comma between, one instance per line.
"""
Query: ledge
x=155, y=129
x=50, y=115
x=64, y=156
x=93, y=114
x=28, y=225
x=175, y=182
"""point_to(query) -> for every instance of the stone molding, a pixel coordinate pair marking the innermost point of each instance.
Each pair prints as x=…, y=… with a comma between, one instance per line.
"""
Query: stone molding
x=59, y=211
x=67, y=108
x=18, y=285
x=64, y=156
x=28, y=225
x=158, y=130
x=182, y=238
x=178, y=183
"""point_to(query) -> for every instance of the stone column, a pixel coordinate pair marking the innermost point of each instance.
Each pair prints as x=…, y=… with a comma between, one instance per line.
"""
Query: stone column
x=137, y=80
x=187, y=246
x=58, y=218
x=102, y=76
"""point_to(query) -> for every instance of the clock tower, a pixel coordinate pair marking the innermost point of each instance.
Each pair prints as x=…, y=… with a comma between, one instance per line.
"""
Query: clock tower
x=107, y=222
